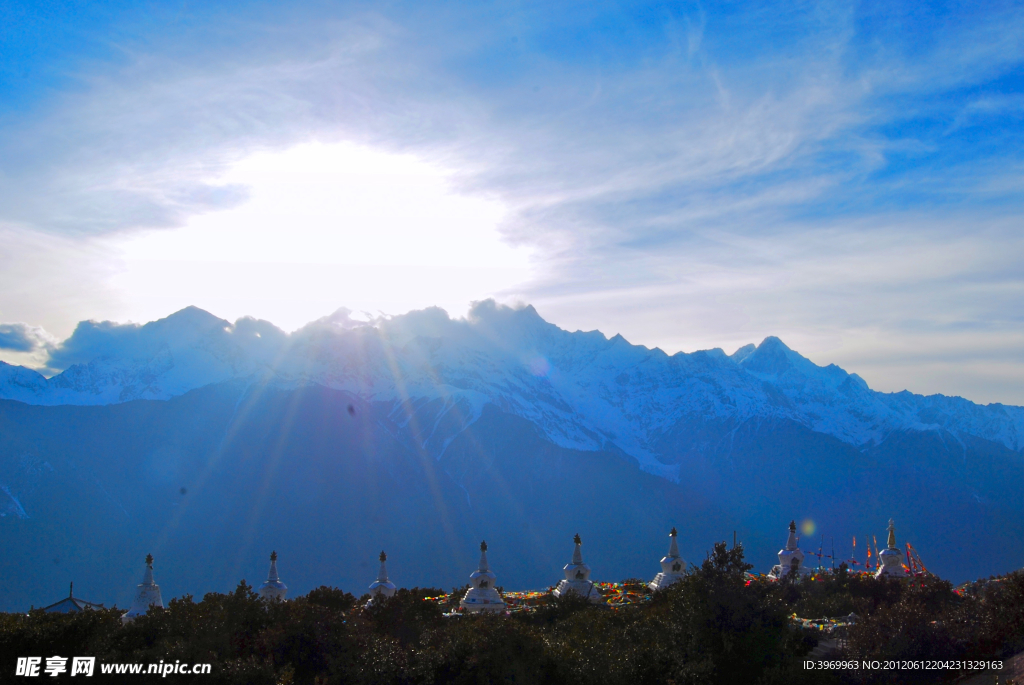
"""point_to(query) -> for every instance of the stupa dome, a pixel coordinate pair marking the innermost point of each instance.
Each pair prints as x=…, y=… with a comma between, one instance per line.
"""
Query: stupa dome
x=673, y=566
x=382, y=587
x=146, y=595
x=482, y=595
x=890, y=560
x=791, y=559
x=577, y=577
x=273, y=588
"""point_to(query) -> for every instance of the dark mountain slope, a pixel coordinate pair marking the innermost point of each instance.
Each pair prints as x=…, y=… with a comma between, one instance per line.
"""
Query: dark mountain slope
x=328, y=479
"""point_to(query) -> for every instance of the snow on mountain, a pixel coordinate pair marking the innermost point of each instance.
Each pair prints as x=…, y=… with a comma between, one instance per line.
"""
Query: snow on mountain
x=107, y=363
x=581, y=389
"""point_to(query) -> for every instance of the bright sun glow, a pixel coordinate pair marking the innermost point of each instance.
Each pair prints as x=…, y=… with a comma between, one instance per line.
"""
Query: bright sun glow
x=325, y=226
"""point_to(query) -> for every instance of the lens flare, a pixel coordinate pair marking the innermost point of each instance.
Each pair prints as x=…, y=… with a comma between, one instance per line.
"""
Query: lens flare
x=807, y=527
x=539, y=366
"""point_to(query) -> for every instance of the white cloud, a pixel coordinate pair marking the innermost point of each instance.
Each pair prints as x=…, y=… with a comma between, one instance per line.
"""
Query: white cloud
x=20, y=337
x=53, y=281
x=326, y=225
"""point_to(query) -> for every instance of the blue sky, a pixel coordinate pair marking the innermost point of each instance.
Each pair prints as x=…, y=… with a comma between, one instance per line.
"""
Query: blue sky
x=846, y=176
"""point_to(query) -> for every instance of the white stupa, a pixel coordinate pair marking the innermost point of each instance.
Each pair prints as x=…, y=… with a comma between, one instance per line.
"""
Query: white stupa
x=791, y=559
x=382, y=587
x=147, y=595
x=673, y=566
x=482, y=596
x=890, y=559
x=273, y=588
x=577, y=578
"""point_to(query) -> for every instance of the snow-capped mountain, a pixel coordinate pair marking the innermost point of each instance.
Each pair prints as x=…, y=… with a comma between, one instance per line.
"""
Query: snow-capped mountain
x=583, y=390
x=210, y=443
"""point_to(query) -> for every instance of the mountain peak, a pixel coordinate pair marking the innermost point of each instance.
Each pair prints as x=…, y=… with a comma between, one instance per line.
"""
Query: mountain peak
x=489, y=311
x=510, y=327
x=772, y=342
x=743, y=352
x=191, y=313
x=190, y=318
x=771, y=358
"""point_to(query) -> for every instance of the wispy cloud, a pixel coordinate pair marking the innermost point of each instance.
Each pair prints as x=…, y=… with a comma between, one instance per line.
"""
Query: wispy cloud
x=555, y=129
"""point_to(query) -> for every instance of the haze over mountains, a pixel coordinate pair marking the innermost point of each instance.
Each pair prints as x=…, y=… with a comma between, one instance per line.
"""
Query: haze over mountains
x=210, y=443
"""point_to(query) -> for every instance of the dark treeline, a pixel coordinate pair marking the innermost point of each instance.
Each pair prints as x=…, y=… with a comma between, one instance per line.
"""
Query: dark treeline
x=712, y=627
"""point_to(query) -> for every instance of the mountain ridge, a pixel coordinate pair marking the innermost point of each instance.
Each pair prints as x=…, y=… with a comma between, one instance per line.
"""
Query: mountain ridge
x=582, y=389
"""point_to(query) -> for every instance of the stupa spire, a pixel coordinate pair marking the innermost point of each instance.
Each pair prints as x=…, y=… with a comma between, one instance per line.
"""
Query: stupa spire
x=382, y=586
x=147, y=578
x=482, y=594
x=273, y=588
x=483, y=557
x=791, y=542
x=273, y=567
x=147, y=594
x=577, y=577
x=673, y=566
